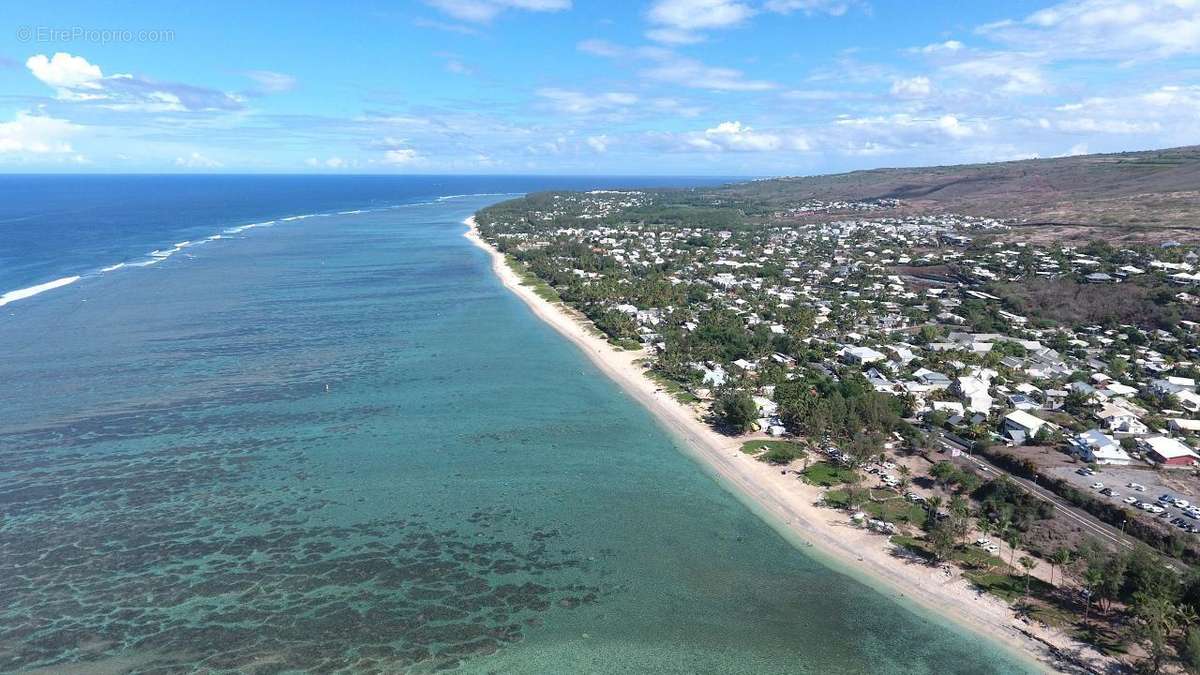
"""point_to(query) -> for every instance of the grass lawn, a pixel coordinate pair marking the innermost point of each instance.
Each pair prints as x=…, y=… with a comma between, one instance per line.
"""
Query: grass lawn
x=672, y=387
x=626, y=344
x=828, y=475
x=541, y=288
x=896, y=510
x=913, y=544
x=1006, y=586
x=775, y=452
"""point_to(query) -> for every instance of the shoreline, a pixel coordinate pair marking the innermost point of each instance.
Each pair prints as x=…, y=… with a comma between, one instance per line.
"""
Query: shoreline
x=787, y=504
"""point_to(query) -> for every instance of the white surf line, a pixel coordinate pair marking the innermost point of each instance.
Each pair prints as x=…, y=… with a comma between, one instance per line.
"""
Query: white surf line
x=22, y=293
x=158, y=255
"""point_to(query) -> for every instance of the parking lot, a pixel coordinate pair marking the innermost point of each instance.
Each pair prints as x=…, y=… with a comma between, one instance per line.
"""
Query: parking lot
x=1118, y=478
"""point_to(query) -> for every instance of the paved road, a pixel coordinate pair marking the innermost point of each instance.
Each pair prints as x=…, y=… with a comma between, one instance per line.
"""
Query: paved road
x=1085, y=520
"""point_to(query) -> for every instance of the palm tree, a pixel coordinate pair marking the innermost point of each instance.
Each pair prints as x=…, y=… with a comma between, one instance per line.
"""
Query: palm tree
x=934, y=503
x=985, y=525
x=1014, y=540
x=1028, y=563
x=1091, y=579
x=1060, y=559
x=960, y=510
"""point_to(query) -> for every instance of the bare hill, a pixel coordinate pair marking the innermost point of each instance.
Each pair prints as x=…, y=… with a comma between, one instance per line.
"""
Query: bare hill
x=1150, y=195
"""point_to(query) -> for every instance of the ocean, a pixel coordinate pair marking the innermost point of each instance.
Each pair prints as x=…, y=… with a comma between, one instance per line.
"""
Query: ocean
x=333, y=442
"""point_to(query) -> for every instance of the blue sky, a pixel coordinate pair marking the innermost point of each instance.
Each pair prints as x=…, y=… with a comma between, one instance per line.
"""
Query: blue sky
x=724, y=87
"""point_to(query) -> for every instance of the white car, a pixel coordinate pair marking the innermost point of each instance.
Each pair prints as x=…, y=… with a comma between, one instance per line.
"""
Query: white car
x=1136, y=486
x=1131, y=500
x=983, y=542
x=1097, y=486
x=1181, y=503
x=1156, y=509
x=993, y=549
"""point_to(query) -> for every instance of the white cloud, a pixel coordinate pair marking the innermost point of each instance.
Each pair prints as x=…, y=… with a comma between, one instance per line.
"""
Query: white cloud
x=912, y=87
x=72, y=77
x=1005, y=73
x=330, y=163
x=397, y=153
x=579, y=103
x=598, y=143
x=483, y=11
x=732, y=136
x=679, y=21
x=947, y=47
x=674, y=36
x=831, y=7
x=1106, y=28
x=887, y=133
x=458, y=67
x=75, y=79
x=950, y=125
x=601, y=48
x=1169, y=112
x=272, y=82
x=691, y=73
x=197, y=161
x=37, y=134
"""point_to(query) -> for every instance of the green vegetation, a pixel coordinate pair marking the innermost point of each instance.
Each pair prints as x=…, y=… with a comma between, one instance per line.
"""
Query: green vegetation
x=528, y=278
x=1148, y=303
x=775, y=452
x=737, y=411
x=881, y=505
x=828, y=475
x=676, y=390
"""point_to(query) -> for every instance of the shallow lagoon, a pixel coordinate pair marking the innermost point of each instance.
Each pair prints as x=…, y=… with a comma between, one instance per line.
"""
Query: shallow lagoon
x=339, y=443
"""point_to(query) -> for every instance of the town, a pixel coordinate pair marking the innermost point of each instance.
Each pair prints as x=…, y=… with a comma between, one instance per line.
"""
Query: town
x=943, y=378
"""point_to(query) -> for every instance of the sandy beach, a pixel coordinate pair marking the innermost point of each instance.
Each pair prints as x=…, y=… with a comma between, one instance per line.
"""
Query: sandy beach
x=788, y=504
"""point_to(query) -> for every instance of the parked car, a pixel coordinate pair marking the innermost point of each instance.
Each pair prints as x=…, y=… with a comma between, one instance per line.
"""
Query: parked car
x=1131, y=500
x=1181, y=503
x=1097, y=486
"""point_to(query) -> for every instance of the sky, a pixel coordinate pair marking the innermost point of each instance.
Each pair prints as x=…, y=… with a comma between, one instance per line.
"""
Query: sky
x=662, y=87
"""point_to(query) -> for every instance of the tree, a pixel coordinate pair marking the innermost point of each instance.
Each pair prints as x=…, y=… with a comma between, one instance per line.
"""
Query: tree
x=1191, y=650
x=941, y=540
x=1060, y=559
x=1092, y=578
x=931, y=516
x=960, y=517
x=1028, y=563
x=1013, y=539
x=1155, y=620
x=737, y=410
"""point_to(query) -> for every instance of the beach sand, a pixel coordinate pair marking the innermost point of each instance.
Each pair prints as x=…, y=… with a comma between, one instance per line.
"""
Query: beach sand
x=788, y=504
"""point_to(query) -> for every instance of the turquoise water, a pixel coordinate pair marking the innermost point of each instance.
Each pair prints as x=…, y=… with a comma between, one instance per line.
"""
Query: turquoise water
x=341, y=444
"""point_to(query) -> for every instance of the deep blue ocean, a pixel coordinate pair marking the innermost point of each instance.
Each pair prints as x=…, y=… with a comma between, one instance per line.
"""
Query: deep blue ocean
x=334, y=442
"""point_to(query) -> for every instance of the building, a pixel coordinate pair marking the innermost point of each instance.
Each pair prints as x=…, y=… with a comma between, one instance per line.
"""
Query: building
x=1168, y=452
x=862, y=355
x=1019, y=426
x=1096, y=447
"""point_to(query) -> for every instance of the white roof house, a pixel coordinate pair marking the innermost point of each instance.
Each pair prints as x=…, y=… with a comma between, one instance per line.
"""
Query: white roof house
x=974, y=393
x=862, y=355
x=1096, y=446
x=1019, y=426
x=1120, y=420
x=1180, y=425
x=1169, y=451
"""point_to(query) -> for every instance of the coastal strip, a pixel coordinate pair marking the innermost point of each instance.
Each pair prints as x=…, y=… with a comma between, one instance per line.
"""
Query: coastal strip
x=789, y=505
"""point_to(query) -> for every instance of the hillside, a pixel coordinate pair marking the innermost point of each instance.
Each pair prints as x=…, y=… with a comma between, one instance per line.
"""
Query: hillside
x=1143, y=196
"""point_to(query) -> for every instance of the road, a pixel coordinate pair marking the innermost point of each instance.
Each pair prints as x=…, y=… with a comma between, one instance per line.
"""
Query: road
x=1085, y=520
